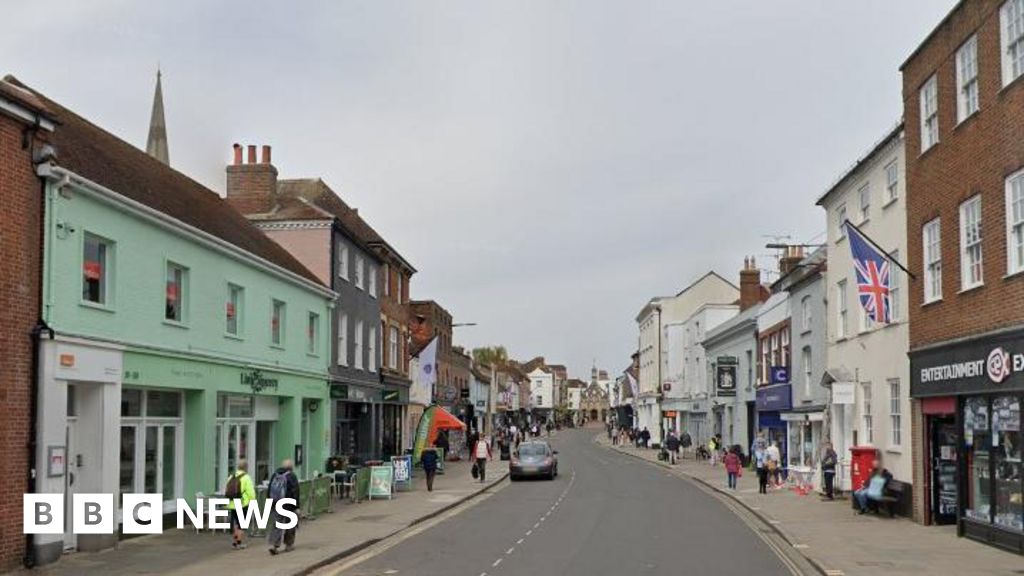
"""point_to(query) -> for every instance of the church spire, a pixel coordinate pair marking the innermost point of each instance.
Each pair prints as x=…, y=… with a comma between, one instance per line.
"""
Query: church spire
x=156, y=145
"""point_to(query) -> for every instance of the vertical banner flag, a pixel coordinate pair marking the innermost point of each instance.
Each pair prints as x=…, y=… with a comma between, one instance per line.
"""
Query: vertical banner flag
x=427, y=377
x=874, y=272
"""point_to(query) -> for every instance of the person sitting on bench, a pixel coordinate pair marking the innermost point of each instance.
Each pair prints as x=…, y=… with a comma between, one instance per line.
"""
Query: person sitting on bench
x=874, y=489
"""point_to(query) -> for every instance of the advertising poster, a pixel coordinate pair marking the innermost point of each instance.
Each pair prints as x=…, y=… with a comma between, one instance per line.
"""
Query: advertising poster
x=381, y=478
x=402, y=466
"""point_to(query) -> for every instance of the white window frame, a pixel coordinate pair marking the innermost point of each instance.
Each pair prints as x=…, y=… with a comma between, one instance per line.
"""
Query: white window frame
x=840, y=219
x=358, y=361
x=1011, y=39
x=864, y=201
x=278, y=339
x=972, y=265
x=806, y=358
x=892, y=180
x=1015, y=223
x=343, y=271
x=931, y=243
x=106, y=264
x=313, y=334
x=394, y=335
x=387, y=279
x=842, y=315
x=183, y=293
x=233, y=291
x=371, y=280
x=929, y=104
x=967, y=79
x=895, y=288
x=895, y=414
x=359, y=272
x=342, y=359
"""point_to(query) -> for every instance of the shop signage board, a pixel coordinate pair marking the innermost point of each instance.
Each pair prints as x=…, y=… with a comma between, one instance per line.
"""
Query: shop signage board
x=725, y=375
x=381, y=480
x=389, y=396
x=844, y=393
x=257, y=382
x=780, y=374
x=994, y=364
x=402, y=472
x=774, y=398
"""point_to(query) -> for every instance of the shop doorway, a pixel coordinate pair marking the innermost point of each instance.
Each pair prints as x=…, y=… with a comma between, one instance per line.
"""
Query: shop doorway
x=944, y=438
x=152, y=444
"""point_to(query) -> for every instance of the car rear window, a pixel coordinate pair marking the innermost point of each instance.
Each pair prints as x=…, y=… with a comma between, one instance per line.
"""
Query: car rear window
x=533, y=450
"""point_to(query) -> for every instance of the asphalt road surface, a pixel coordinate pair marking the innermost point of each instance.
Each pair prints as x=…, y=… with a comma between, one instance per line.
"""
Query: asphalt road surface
x=606, y=514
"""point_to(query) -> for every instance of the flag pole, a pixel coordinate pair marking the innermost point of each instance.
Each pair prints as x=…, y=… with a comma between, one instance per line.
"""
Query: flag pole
x=879, y=248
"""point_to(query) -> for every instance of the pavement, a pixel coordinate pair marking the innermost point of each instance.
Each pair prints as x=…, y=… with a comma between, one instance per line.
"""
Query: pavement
x=836, y=539
x=605, y=514
x=328, y=538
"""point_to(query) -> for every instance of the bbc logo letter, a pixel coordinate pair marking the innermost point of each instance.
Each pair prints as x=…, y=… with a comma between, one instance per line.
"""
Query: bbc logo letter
x=143, y=513
x=43, y=513
x=93, y=513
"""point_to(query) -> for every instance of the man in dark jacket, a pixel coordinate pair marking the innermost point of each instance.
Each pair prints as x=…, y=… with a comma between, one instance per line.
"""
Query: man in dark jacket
x=672, y=445
x=829, y=459
x=283, y=484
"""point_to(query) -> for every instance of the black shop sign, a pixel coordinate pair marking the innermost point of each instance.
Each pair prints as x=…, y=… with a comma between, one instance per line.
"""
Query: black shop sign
x=992, y=364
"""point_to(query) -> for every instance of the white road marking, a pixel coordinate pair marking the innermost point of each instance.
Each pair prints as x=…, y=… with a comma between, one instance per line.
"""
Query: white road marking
x=528, y=532
x=520, y=541
x=496, y=562
x=510, y=550
x=536, y=524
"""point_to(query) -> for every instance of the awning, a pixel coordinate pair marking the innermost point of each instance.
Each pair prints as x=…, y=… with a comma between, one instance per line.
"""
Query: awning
x=837, y=374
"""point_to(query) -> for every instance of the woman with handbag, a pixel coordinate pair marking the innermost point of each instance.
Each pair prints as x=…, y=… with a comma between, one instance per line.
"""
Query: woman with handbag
x=482, y=453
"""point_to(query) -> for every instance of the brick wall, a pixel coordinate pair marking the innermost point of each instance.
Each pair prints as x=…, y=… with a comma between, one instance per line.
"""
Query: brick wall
x=20, y=244
x=972, y=158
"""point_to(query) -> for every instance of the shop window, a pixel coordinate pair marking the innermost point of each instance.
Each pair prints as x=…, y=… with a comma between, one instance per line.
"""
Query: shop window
x=976, y=442
x=131, y=403
x=1006, y=452
x=234, y=406
x=96, y=257
x=163, y=404
x=175, y=296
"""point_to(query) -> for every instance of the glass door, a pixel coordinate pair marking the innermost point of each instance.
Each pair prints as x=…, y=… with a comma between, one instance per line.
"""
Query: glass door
x=944, y=439
x=235, y=444
x=160, y=461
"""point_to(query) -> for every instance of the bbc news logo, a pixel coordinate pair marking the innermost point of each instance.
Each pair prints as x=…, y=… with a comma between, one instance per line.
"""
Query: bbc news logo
x=143, y=514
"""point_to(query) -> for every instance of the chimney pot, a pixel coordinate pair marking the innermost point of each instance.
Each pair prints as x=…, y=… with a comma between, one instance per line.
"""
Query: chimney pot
x=266, y=154
x=252, y=153
x=238, y=153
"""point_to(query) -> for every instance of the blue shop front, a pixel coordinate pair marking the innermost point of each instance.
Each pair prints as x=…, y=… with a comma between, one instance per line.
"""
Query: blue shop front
x=771, y=402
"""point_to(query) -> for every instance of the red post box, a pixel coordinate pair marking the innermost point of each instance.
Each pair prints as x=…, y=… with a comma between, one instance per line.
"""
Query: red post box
x=861, y=460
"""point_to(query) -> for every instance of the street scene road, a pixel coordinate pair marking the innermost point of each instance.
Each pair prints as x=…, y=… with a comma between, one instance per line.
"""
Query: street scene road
x=606, y=513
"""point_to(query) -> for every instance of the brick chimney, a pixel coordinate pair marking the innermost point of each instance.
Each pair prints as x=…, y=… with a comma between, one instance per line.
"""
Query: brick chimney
x=751, y=291
x=252, y=186
x=791, y=256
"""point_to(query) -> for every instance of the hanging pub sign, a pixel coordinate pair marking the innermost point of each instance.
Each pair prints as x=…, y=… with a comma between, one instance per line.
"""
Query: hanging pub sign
x=725, y=375
x=257, y=382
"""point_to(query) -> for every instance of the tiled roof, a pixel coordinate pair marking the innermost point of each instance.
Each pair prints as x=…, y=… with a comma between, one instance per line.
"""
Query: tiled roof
x=97, y=155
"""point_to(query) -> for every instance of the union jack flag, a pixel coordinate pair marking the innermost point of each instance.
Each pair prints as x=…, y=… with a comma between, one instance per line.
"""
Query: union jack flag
x=873, y=277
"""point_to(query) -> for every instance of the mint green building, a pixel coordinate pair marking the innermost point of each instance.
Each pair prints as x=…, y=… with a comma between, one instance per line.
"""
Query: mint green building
x=183, y=339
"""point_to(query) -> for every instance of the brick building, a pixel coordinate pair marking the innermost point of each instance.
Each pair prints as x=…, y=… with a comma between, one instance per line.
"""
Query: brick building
x=429, y=320
x=24, y=125
x=963, y=95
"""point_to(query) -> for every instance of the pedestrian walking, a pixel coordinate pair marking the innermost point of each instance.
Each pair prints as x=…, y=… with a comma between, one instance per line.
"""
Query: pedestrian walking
x=645, y=437
x=685, y=441
x=283, y=484
x=713, y=451
x=240, y=491
x=428, y=459
x=760, y=454
x=733, y=468
x=829, y=459
x=482, y=453
x=672, y=445
x=774, y=464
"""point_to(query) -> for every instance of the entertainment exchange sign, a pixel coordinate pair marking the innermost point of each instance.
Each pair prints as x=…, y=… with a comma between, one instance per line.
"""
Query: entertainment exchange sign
x=982, y=365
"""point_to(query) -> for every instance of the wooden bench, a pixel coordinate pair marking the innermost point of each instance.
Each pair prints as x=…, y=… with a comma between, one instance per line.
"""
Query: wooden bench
x=892, y=498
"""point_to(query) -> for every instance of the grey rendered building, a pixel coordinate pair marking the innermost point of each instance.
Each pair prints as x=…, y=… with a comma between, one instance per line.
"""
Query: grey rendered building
x=731, y=352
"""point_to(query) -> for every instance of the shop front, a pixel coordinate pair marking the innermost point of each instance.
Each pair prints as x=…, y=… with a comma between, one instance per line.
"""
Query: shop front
x=357, y=421
x=970, y=397
x=394, y=404
x=804, y=434
x=771, y=402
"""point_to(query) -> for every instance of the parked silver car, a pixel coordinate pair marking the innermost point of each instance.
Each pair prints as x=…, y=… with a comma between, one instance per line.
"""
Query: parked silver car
x=535, y=458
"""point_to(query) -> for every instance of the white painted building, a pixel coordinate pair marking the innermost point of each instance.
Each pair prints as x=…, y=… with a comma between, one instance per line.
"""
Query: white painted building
x=686, y=401
x=542, y=389
x=652, y=321
x=866, y=363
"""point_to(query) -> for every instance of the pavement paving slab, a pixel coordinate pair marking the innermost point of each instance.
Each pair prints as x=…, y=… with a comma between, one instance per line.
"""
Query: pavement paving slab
x=347, y=529
x=841, y=542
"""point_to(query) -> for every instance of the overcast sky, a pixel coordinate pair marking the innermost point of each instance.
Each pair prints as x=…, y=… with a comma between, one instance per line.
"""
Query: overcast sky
x=547, y=166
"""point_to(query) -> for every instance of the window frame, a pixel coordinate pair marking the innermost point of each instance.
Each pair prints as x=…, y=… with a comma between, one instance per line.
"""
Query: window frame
x=183, y=293
x=928, y=97
x=106, y=283
x=232, y=290
x=864, y=201
x=359, y=272
x=394, y=346
x=895, y=288
x=342, y=340
x=278, y=340
x=313, y=333
x=932, y=259
x=841, y=218
x=343, y=262
x=971, y=215
x=892, y=180
x=867, y=416
x=895, y=413
x=371, y=279
x=1014, y=265
x=357, y=362
x=842, y=310
x=1007, y=61
x=371, y=348
x=967, y=88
